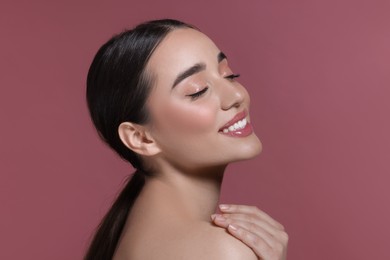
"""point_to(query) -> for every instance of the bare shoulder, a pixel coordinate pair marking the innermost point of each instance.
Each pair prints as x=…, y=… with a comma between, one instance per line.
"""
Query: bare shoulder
x=200, y=240
x=211, y=242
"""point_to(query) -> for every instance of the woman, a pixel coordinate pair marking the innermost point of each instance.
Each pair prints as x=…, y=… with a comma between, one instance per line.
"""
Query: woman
x=164, y=98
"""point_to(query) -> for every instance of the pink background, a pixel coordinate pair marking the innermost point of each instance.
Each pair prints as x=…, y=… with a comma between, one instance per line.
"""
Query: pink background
x=318, y=73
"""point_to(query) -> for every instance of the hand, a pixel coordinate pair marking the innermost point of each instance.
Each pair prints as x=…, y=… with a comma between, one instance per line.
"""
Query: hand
x=256, y=229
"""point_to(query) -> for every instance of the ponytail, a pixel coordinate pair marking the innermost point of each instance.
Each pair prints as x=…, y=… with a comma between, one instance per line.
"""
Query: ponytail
x=109, y=231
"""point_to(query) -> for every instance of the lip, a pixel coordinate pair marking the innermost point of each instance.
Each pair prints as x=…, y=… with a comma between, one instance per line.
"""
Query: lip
x=247, y=130
x=241, y=115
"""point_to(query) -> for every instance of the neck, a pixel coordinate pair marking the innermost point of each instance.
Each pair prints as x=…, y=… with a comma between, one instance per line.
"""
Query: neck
x=192, y=195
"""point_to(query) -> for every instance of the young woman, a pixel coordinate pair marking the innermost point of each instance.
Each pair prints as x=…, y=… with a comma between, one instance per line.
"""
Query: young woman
x=163, y=97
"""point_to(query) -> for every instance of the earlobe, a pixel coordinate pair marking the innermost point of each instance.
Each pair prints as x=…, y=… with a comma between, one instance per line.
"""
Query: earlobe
x=137, y=139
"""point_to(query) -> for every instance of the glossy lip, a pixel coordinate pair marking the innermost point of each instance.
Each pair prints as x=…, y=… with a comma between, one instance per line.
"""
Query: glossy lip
x=246, y=131
x=241, y=115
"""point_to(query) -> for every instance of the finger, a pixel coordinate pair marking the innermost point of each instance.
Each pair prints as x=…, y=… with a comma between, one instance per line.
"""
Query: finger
x=251, y=218
x=231, y=208
x=276, y=236
x=220, y=220
x=252, y=225
x=260, y=228
x=277, y=242
x=256, y=243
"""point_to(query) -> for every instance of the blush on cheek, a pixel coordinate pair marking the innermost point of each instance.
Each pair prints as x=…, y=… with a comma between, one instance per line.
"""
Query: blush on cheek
x=177, y=118
x=192, y=119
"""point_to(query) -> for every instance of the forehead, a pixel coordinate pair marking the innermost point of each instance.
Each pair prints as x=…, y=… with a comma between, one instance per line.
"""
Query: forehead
x=180, y=49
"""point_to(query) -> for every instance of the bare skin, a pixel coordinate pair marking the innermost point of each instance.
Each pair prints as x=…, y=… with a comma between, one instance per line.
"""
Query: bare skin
x=166, y=224
x=173, y=217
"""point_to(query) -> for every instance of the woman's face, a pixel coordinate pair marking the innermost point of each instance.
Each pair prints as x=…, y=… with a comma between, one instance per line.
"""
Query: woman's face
x=194, y=100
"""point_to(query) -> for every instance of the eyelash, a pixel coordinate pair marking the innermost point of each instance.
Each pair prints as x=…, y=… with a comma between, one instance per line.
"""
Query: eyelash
x=233, y=76
x=200, y=93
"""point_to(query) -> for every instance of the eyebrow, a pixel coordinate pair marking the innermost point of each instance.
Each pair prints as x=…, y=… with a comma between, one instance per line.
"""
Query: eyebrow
x=198, y=67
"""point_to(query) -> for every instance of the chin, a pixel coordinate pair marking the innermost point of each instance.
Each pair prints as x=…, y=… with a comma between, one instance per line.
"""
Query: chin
x=251, y=150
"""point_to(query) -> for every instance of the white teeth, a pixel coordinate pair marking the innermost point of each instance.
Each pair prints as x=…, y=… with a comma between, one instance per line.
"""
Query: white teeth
x=237, y=126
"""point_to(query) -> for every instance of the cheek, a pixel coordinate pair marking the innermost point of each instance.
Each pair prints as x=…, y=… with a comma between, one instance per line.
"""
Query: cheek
x=188, y=118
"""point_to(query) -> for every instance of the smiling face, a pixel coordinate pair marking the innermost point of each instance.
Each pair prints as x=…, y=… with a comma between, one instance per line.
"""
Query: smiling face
x=199, y=113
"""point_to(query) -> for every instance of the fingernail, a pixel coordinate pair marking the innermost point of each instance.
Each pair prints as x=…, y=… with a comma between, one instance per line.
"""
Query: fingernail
x=223, y=207
x=233, y=228
x=219, y=218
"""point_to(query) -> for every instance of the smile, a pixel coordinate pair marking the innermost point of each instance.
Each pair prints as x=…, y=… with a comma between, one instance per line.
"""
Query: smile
x=239, y=126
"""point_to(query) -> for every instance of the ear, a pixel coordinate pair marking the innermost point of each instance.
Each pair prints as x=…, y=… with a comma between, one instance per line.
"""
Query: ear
x=136, y=138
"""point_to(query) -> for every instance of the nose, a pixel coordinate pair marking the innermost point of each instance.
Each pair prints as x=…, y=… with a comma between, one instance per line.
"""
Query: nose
x=232, y=94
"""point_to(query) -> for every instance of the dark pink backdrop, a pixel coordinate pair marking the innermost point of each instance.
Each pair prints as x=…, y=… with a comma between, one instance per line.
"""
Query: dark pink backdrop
x=318, y=73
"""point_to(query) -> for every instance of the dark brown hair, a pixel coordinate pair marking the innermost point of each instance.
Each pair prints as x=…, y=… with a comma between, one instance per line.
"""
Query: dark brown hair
x=117, y=89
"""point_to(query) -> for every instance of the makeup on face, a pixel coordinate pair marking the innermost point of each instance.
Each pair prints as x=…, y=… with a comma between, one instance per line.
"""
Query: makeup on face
x=198, y=67
x=239, y=126
x=200, y=112
x=198, y=86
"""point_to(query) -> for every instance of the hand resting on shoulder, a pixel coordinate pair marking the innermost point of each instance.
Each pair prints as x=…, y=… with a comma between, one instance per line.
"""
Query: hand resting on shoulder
x=264, y=235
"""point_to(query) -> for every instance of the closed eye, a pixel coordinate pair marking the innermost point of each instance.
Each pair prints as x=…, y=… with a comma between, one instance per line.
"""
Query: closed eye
x=232, y=76
x=198, y=94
